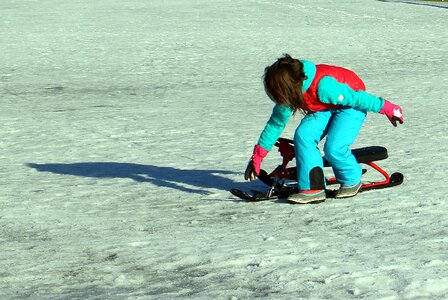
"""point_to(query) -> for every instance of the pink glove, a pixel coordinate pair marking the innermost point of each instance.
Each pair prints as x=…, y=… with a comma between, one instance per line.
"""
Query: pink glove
x=393, y=112
x=253, y=168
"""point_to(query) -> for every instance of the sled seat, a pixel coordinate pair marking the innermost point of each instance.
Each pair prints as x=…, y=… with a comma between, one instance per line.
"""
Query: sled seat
x=366, y=154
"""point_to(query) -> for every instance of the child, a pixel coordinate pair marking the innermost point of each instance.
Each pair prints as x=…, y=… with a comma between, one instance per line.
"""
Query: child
x=334, y=102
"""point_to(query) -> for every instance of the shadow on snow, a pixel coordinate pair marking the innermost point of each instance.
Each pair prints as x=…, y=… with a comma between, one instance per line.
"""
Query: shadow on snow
x=160, y=176
x=423, y=3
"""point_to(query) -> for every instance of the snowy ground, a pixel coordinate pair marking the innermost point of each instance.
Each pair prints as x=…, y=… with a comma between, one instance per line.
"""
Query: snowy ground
x=125, y=123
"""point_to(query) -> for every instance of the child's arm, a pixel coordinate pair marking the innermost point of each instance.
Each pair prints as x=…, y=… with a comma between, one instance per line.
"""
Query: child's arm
x=275, y=126
x=272, y=131
x=333, y=92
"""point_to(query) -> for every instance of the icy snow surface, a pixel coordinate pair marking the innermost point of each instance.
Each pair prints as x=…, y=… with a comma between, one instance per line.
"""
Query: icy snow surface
x=124, y=123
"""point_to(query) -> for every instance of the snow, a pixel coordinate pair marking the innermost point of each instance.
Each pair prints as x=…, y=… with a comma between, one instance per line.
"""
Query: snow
x=125, y=123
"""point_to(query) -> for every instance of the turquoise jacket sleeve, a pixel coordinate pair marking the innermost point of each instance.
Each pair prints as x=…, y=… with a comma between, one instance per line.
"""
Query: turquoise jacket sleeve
x=332, y=92
x=275, y=126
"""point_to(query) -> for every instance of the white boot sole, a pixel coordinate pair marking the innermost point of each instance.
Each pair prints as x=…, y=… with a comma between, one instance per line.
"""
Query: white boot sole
x=348, y=194
x=312, y=199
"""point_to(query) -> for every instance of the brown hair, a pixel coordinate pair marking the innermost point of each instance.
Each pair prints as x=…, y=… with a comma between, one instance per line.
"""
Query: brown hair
x=283, y=82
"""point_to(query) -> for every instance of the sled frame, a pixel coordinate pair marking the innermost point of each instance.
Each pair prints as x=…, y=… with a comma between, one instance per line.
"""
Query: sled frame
x=366, y=155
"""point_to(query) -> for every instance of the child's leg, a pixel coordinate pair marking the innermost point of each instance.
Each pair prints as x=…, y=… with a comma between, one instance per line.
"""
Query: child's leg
x=342, y=132
x=308, y=157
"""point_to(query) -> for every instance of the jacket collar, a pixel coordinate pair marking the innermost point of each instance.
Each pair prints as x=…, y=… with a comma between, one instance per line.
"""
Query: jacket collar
x=309, y=69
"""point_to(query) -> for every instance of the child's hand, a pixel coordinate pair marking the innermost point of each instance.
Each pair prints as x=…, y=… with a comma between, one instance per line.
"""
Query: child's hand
x=393, y=112
x=254, y=166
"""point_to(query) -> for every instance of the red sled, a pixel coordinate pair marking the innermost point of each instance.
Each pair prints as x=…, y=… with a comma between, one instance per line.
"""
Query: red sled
x=277, y=179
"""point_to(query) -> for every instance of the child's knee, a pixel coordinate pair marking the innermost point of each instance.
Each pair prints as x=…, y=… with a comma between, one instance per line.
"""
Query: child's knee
x=303, y=138
x=336, y=152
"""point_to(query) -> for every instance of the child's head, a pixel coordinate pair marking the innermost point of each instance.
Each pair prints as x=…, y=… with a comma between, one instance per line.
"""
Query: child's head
x=283, y=82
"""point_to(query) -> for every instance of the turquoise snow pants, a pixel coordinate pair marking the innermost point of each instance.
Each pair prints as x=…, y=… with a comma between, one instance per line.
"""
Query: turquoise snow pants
x=340, y=127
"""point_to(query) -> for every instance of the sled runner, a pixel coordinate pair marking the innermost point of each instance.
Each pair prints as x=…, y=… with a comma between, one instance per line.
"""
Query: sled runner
x=281, y=180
